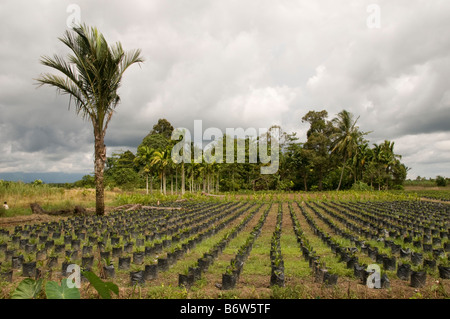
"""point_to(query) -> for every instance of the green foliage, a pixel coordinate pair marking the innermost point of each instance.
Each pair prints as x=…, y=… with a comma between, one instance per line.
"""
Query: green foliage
x=334, y=155
x=121, y=171
x=55, y=291
x=361, y=186
x=27, y=289
x=37, y=182
x=87, y=181
x=155, y=141
x=164, y=128
x=104, y=289
x=30, y=289
x=441, y=181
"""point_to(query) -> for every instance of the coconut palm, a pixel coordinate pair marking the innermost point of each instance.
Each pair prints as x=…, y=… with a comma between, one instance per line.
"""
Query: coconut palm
x=360, y=159
x=161, y=159
x=91, y=76
x=346, y=139
x=388, y=159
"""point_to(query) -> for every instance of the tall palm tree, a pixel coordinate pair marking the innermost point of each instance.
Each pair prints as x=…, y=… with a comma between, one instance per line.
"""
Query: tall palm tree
x=388, y=158
x=376, y=160
x=92, y=74
x=162, y=161
x=360, y=159
x=346, y=139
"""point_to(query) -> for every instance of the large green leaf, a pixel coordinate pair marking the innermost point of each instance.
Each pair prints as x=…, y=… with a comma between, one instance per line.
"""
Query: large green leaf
x=27, y=289
x=103, y=288
x=55, y=291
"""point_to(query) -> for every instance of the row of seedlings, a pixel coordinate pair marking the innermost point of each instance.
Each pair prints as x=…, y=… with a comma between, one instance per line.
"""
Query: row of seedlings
x=48, y=241
x=276, y=258
x=348, y=255
x=194, y=272
x=156, y=243
x=412, y=265
x=427, y=222
x=320, y=271
x=234, y=269
x=212, y=226
x=408, y=230
x=421, y=257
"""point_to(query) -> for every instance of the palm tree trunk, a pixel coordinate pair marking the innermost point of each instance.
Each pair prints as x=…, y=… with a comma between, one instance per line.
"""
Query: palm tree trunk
x=164, y=182
x=342, y=172
x=232, y=180
x=217, y=182
x=182, y=179
x=146, y=183
x=204, y=182
x=209, y=179
x=100, y=159
x=176, y=179
x=151, y=185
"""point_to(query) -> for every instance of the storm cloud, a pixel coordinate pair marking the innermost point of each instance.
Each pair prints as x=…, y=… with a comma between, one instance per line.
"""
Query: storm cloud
x=233, y=64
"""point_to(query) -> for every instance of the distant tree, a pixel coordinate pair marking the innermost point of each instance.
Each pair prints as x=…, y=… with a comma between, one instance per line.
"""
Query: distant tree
x=121, y=170
x=37, y=182
x=164, y=128
x=87, y=181
x=92, y=74
x=441, y=181
x=318, y=144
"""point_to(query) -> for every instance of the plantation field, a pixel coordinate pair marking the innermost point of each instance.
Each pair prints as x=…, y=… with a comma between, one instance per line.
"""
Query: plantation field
x=242, y=248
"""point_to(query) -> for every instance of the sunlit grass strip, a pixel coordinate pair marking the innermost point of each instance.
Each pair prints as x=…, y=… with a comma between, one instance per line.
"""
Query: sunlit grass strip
x=322, y=250
x=295, y=265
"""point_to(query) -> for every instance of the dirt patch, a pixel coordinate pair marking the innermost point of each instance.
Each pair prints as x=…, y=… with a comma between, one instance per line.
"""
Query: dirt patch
x=40, y=218
x=22, y=220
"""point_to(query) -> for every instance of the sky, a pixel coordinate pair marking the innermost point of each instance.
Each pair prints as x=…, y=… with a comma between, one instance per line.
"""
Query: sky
x=231, y=64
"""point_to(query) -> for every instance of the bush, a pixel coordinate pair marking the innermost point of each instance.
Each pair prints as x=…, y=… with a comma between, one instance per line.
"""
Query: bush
x=441, y=181
x=361, y=186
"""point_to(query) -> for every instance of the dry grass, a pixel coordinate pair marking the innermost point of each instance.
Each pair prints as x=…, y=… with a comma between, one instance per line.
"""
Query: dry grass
x=58, y=198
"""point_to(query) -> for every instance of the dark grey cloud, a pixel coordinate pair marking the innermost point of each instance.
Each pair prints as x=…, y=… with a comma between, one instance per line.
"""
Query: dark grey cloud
x=233, y=64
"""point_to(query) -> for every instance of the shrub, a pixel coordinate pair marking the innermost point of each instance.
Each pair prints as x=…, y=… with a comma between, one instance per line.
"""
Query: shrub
x=361, y=186
x=398, y=187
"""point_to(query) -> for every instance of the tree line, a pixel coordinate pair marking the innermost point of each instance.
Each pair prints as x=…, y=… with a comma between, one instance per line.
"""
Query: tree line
x=335, y=155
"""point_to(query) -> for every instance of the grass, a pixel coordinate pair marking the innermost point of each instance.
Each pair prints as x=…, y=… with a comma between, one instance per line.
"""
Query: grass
x=20, y=196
